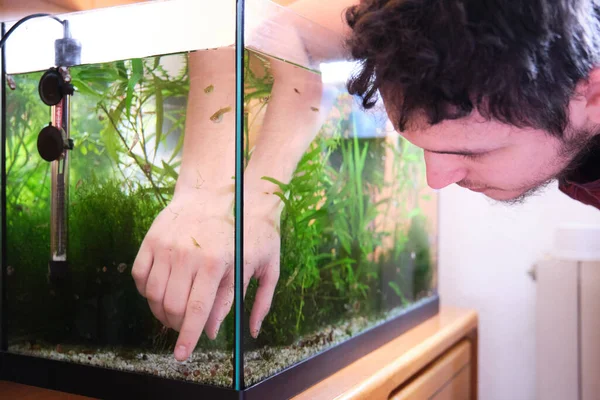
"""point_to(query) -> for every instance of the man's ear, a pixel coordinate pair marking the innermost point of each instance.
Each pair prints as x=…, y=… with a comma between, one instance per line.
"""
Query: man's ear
x=592, y=96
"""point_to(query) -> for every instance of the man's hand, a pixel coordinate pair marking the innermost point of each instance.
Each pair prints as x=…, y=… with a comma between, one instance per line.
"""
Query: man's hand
x=185, y=268
x=185, y=265
x=262, y=248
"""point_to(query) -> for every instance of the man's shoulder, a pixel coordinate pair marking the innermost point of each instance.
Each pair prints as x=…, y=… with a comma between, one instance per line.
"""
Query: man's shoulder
x=583, y=182
x=587, y=193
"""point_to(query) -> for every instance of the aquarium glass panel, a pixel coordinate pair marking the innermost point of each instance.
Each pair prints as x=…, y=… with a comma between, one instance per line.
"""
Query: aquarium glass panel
x=147, y=182
x=121, y=198
x=340, y=228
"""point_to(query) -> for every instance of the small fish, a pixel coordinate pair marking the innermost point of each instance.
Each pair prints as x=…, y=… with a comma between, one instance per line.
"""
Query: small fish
x=315, y=109
x=104, y=269
x=10, y=271
x=122, y=267
x=11, y=82
x=264, y=100
x=136, y=139
x=296, y=90
x=218, y=116
x=196, y=243
x=209, y=89
x=79, y=182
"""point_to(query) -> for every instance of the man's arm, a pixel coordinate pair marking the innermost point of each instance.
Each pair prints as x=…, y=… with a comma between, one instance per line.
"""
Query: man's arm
x=329, y=14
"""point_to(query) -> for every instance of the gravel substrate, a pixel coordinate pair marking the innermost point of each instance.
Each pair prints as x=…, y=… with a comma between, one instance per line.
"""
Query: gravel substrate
x=213, y=367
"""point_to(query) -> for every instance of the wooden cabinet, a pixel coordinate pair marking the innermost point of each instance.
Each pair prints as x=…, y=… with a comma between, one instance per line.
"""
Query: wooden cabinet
x=448, y=378
x=436, y=360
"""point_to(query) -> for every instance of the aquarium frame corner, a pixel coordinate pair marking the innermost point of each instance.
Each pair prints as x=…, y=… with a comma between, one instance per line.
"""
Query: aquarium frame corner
x=238, y=350
x=3, y=314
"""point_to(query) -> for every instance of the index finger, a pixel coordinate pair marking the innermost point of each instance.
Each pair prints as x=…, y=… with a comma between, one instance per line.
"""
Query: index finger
x=200, y=303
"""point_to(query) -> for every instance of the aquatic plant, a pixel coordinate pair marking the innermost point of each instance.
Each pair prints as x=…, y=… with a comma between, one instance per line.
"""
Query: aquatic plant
x=336, y=257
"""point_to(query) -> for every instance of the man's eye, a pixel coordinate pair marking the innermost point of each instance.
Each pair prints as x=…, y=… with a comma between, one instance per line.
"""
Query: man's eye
x=472, y=156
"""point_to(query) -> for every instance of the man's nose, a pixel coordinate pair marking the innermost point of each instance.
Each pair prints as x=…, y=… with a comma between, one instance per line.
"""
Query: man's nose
x=443, y=170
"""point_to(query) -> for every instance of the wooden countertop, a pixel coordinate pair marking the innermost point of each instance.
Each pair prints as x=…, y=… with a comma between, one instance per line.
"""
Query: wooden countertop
x=374, y=376
x=377, y=374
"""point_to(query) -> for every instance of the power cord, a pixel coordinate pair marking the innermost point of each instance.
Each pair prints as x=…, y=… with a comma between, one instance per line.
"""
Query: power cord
x=25, y=19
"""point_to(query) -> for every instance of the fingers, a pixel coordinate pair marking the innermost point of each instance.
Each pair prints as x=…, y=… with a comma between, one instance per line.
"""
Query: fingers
x=141, y=267
x=156, y=287
x=200, y=303
x=264, y=296
x=222, y=305
x=177, y=294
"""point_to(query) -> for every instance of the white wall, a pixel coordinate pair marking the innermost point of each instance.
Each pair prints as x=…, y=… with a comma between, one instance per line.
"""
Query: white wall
x=486, y=250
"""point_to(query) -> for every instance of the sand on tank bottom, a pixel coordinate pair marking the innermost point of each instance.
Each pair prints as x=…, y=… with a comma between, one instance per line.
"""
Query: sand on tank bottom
x=212, y=367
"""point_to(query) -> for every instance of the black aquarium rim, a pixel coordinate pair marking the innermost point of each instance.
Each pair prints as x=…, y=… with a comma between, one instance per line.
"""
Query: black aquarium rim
x=3, y=302
x=104, y=383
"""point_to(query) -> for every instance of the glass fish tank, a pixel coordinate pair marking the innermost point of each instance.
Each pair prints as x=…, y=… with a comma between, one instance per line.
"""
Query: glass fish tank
x=193, y=204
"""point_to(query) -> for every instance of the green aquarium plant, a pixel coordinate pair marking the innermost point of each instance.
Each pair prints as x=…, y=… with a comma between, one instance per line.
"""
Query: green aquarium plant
x=128, y=127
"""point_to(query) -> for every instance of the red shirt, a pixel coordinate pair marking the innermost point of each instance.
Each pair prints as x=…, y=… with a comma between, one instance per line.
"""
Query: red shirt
x=587, y=193
x=583, y=184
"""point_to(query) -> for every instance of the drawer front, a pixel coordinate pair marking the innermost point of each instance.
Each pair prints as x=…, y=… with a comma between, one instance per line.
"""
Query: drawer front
x=449, y=378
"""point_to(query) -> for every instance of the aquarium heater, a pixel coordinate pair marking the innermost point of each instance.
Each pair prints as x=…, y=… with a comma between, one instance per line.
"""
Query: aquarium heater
x=54, y=143
x=55, y=90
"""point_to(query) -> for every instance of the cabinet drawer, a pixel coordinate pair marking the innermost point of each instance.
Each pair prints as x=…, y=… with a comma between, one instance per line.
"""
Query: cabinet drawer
x=449, y=378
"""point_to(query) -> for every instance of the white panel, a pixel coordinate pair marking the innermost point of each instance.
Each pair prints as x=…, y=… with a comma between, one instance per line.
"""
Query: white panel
x=557, y=330
x=486, y=251
x=172, y=26
x=590, y=330
x=118, y=33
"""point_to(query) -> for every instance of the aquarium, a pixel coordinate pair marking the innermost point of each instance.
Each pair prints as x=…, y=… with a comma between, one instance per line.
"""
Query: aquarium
x=194, y=175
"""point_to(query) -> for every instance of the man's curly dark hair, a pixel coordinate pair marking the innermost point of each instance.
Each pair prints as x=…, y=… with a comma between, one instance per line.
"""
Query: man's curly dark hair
x=515, y=61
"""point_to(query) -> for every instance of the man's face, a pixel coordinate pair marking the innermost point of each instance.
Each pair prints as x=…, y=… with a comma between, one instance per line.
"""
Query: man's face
x=503, y=162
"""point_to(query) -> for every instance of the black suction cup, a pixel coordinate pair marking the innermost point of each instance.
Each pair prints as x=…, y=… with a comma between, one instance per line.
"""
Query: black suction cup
x=50, y=143
x=51, y=87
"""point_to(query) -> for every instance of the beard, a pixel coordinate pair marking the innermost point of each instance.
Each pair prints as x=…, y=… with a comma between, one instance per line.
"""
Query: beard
x=529, y=193
x=575, y=154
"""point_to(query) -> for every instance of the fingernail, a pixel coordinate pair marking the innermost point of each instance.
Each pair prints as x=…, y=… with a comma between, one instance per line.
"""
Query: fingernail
x=181, y=353
x=257, y=330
